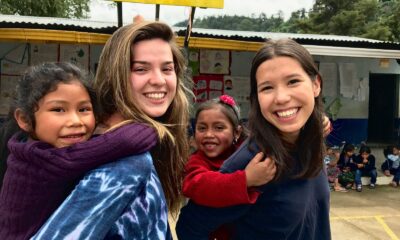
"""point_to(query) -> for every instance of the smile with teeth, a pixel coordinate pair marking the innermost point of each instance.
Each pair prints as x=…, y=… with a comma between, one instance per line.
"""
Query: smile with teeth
x=156, y=96
x=287, y=113
x=74, y=136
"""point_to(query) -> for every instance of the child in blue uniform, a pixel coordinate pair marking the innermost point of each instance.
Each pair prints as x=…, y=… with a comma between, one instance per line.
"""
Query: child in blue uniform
x=365, y=163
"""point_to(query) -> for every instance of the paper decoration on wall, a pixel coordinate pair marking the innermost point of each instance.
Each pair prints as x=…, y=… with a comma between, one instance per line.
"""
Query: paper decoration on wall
x=7, y=89
x=214, y=61
x=348, y=81
x=75, y=53
x=239, y=89
x=194, y=61
x=207, y=87
x=43, y=53
x=15, y=61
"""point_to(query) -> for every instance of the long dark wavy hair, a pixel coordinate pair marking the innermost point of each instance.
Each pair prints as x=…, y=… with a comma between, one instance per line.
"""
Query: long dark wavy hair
x=304, y=158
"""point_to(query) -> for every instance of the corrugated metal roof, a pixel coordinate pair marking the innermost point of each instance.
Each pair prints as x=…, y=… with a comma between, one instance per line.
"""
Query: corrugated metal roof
x=85, y=25
x=274, y=35
x=56, y=21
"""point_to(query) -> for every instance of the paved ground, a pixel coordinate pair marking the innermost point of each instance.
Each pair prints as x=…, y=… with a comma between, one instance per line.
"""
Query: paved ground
x=371, y=214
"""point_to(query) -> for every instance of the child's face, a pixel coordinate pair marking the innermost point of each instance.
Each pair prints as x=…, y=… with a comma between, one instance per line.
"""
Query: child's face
x=396, y=151
x=214, y=132
x=153, y=76
x=364, y=155
x=65, y=116
x=286, y=95
x=349, y=153
x=329, y=151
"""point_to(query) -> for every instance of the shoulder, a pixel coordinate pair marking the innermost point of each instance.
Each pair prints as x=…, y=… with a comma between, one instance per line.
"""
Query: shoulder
x=134, y=165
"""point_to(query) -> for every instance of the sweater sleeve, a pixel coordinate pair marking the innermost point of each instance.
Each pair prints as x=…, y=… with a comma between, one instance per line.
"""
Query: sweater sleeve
x=215, y=189
x=71, y=162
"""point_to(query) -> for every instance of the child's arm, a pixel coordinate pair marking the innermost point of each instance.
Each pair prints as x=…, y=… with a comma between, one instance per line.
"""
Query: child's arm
x=216, y=189
x=371, y=162
x=71, y=162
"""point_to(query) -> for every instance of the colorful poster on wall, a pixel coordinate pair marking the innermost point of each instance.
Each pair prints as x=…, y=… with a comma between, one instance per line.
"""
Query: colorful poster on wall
x=75, y=53
x=214, y=61
x=207, y=87
x=44, y=53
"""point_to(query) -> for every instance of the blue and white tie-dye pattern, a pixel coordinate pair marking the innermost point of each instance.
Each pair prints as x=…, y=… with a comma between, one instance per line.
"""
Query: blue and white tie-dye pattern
x=119, y=200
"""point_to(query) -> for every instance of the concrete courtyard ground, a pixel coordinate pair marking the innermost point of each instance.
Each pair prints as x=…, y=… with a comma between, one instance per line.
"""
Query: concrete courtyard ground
x=368, y=215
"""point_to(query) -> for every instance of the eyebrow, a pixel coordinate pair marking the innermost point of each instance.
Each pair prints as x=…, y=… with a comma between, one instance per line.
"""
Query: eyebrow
x=144, y=62
x=293, y=75
x=63, y=102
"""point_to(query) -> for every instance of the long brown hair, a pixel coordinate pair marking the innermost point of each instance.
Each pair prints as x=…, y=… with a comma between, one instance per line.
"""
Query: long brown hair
x=309, y=147
x=113, y=86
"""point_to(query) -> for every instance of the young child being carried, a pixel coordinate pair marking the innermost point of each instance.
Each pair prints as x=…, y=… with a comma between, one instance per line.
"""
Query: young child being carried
x=331, y=158
x=218, y=133
x=54, y=110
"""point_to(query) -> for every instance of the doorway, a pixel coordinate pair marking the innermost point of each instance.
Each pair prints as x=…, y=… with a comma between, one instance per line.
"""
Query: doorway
x=382, y=108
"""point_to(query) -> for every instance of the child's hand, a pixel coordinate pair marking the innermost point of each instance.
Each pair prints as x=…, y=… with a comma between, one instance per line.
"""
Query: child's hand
x=259, y=172
x=327, y=125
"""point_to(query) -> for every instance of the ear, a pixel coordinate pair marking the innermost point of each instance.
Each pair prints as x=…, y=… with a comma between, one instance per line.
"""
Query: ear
x=238, y=131
x=22, y=120
x=317, y=86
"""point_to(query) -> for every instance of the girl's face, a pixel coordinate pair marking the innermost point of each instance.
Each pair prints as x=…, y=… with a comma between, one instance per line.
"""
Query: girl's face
x=153, y=76
x=349, y=153
x=364, y=155
x=396, y=151
x=65, y=116
x=286, y=95
x=214, y=132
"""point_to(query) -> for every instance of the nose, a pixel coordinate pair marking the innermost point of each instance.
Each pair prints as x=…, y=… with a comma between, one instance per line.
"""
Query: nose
x=74, y=120
x=209, y=133
x=157, y=77
x=282, y=95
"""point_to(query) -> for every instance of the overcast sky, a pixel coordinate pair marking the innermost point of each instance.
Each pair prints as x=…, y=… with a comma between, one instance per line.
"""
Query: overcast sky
x=102, y=10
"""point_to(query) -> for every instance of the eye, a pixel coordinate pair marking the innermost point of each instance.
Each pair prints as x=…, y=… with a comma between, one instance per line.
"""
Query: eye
x=265, y=88
x=139, y=68
x=57, y=109
x=293, y=81
x=220, y=128
x=200, y=128
x=86, y=109
x=169, y=69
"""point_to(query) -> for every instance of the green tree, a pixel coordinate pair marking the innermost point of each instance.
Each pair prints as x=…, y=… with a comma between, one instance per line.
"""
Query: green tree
x=46, y=8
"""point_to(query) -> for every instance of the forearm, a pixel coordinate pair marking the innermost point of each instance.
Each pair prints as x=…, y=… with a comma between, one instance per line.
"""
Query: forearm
x=77, y=159
x=215, y=189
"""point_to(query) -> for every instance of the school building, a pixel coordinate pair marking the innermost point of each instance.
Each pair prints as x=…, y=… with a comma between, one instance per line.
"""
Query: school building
x=361, y=77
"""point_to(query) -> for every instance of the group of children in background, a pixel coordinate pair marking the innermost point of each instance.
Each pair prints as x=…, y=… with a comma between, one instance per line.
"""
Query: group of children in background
x=345, y=168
